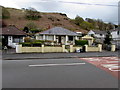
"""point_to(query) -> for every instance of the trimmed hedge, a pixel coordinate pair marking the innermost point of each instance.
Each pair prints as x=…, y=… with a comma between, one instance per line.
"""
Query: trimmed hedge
x=81, y=42
x=31, y=44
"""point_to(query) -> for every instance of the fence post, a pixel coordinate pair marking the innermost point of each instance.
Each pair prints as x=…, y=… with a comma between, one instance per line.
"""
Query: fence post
x=42, y=48
x=113, y=48
x=71, y=48
x=18, y=48
x=100, y=47
x=63, y=47
x=86, y=48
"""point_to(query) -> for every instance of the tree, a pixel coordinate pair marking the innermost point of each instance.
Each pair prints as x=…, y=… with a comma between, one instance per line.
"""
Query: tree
x=92, y=21
x=31, y=25
x=78, y=20
x=5, y=13
x=108, y=38
x=26, y=29
x=86, y=25
x=31, y=28
x=32, y=14
x=110, y=26
x=100, y=24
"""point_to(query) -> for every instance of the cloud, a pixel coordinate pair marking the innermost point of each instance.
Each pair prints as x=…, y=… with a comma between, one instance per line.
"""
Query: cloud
x=103, y=9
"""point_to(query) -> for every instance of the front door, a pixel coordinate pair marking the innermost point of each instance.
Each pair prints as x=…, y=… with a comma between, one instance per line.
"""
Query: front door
x=59, y=39
x=5, y=40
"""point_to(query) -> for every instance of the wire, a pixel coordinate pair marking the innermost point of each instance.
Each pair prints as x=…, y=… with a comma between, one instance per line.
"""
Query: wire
x=90, y=4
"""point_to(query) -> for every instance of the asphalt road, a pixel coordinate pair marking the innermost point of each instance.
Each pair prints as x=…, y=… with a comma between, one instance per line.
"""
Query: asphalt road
x=14, y=56
x=55, y=73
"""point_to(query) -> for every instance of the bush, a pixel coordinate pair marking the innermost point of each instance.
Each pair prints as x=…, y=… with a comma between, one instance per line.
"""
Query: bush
x=5, y=13
x=32, y=14
x=81, y=42
x=27, y=39
x=34, y=43
x=26, y=44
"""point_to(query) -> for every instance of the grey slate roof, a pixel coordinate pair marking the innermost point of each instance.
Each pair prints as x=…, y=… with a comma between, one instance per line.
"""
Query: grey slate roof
x=11, y=30
x=117, y=29
x=99, y=32
x=59, y=31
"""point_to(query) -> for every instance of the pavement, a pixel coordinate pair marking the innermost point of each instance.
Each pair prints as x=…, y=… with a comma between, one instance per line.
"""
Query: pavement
x=11, y=55
x=55, y=73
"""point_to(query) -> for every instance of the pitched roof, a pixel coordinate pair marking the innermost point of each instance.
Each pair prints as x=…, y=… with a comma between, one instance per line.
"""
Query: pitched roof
x=99, y=32
x=59, y=31
x=11, y=30
x=117, y=29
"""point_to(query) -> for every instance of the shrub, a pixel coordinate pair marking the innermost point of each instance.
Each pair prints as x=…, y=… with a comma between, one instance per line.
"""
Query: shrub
x=32, y=14
x=42, y=41
x=81, y=42
x=27, y=39
x=34, y=43
x=5, y=13
x=35, y=30
x=26, y=44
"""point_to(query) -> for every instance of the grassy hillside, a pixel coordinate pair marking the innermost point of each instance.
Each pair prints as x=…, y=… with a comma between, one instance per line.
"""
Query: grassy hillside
x=17, y=17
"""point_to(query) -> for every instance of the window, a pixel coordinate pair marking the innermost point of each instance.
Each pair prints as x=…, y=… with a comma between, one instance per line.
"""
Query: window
x=70, y=38
x=118, y=32
x=17, y=40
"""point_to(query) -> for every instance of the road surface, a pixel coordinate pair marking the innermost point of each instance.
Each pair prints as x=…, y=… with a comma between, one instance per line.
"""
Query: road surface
x=55, y=73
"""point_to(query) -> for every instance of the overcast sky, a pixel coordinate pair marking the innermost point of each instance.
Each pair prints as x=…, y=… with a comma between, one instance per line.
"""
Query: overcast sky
x=107, y=10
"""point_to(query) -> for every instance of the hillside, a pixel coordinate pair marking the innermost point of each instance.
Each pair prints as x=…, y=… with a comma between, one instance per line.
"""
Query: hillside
x=17, y=17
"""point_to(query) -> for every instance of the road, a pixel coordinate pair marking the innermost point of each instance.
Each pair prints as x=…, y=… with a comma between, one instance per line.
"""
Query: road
x=55, y=73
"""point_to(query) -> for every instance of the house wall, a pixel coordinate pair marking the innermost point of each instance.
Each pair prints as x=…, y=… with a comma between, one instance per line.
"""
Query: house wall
x=39, y=37
x=11, y=42
x=100, y=36
x=91, y=32
x=49, y=37
x=64, y=39
x=96, y=35
x=115, y=35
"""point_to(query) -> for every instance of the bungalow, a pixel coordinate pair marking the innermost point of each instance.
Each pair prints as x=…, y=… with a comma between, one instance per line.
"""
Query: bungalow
x=97, y=33
x=59, y=35
x=115, y=34
x=11, y=35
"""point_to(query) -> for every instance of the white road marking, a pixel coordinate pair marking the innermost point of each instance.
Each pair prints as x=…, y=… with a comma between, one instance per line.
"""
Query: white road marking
x=113, y=61
x=111, y=69
x=109, y=65
x=66, y=64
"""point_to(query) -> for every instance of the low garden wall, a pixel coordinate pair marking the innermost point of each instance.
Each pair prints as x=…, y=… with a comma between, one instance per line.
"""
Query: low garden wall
x=93, y=48
x=42, y=49
x=45, y=49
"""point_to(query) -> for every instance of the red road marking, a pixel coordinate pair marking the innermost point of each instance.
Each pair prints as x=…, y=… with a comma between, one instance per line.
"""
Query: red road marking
x=109, y=64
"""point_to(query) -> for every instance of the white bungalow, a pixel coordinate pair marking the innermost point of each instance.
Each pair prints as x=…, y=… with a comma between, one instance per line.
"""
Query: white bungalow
x=115, y=34
x=11, y=36
x=97, y=33
x=59, y=35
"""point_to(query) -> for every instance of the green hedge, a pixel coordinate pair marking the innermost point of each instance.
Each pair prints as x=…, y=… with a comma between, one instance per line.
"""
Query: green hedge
x=81, y=42
x=31, y=44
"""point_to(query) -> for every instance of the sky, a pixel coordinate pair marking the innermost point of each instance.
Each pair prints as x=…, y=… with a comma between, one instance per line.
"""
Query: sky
x=107, y=10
